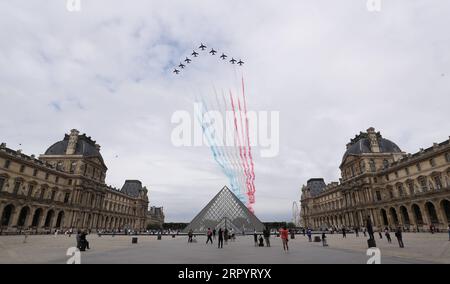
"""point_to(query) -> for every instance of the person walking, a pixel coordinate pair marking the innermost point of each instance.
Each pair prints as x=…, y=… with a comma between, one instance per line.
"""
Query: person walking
x=84, y=244
x=398, y=235
x=220, y=237
x=225, y=235
x=255, y=238
x=356, y=232
x=284, y=234
x=261, y=241
x=214, y=234
x=380, y=234
x=344, y=233
x=324, y=239
x=266, y=234
x=388, y=235
x=78, y=239
x=448, y=229
x=209, y=235
x=309, y=233
x=190, y=233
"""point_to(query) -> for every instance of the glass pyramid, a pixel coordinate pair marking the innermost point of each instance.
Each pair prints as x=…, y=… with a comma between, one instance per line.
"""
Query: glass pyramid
x=225, y=210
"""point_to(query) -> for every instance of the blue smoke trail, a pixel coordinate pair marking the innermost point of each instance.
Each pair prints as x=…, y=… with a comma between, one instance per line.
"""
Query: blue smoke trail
x=218, y=155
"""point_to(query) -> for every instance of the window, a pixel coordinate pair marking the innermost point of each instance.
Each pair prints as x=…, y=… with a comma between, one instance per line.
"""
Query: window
x=2, y=182
x=30, y=190
x=391, y=193
x=411, y=187
x=47, y=176
x=438, y=182
x=16, y=187
x=433, y=163
x=407, y=171
x=59, y=166
x=362, y=166
x=385, y=164
x=387, y=177
x=447, y=157
x=35, y=172
x=375, y=180
x=396, y=174
x=400, y=190
x=66, y=198
x=42, y=193
x=73, y=166
x=22, y=168
x=423, y=184
x=378, y=193
x=418, y=167
x=53, y=195
x=372, y=166
x=7, y=164
x=57, y=179
x=353, y=171
x=70, y=182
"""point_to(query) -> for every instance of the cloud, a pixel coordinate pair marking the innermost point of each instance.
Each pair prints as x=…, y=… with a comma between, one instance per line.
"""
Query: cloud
x=332, y=69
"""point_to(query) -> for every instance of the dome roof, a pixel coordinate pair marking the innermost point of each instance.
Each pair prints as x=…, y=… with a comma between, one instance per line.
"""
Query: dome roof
x=85, y=147
x=361, y=144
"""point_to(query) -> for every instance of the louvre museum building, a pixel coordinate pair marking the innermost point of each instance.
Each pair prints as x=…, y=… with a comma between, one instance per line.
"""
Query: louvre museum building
x=65, y=188
x=381, y=182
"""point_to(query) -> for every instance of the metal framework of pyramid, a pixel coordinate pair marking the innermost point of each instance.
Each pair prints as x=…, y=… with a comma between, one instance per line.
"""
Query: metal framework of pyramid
x=225, y=210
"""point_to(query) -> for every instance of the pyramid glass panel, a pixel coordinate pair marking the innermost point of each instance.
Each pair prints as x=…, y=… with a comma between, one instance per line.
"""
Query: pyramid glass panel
x=225, y=210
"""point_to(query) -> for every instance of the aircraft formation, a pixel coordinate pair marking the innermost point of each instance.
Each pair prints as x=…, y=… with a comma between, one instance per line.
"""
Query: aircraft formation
x=213, y=52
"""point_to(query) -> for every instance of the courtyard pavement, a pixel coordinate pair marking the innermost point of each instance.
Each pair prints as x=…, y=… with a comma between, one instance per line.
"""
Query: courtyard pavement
x=419, y=248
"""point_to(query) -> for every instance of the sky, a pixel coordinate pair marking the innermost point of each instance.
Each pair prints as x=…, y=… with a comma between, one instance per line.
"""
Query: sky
x=330, y=68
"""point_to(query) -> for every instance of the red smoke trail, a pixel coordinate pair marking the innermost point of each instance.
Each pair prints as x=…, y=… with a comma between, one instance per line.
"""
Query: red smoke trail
x=235, y=159
x=247, y=172
x=252, y=165
x=238, y=137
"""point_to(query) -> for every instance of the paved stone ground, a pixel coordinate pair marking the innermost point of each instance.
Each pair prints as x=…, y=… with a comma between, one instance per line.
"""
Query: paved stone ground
x=420, y=248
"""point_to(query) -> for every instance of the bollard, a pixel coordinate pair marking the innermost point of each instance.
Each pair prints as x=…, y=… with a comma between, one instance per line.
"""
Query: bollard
x=134, y=240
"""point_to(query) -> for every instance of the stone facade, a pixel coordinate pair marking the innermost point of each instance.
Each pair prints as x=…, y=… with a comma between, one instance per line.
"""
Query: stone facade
x=155, y=217
x=65, y=188
x=380, y=181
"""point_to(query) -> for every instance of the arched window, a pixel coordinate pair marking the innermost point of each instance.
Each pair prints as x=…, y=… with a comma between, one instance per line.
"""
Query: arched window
x=385, y=164
x=6, y=215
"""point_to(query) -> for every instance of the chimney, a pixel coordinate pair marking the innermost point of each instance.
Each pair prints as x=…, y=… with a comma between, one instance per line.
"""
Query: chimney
x=73, y=139
x=374, y=146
